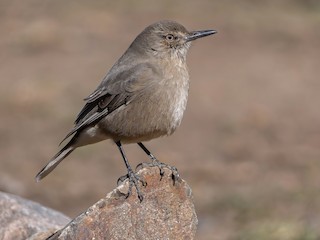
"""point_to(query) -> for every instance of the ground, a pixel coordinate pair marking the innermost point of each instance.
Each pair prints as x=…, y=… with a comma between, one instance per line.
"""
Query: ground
x=249, y=143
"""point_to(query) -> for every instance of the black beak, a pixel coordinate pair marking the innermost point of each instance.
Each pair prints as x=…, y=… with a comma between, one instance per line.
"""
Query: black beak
x=199, y=34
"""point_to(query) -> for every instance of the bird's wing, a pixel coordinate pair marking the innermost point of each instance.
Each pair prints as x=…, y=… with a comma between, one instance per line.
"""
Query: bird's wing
x=115, y=91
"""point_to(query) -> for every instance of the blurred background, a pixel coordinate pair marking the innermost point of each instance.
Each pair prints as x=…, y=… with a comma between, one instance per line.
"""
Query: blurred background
x=249, y=144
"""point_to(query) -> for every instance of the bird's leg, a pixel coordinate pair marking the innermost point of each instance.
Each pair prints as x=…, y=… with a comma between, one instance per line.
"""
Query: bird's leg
x=133, y=178
x=160, y=165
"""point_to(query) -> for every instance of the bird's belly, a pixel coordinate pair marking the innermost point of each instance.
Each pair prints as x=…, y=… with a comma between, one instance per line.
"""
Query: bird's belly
x=148, y=116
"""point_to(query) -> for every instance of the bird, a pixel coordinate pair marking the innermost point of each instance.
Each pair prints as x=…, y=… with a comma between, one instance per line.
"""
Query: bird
x=142, y=97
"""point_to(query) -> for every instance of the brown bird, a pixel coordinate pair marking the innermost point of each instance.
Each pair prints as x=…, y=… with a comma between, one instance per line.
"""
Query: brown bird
x=142, y=97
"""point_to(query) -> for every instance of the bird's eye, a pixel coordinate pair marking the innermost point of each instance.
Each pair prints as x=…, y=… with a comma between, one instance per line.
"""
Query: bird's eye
x=169, y=37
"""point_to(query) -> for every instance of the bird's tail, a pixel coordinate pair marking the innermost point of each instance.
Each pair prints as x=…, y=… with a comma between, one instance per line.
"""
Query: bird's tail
x=62, y=154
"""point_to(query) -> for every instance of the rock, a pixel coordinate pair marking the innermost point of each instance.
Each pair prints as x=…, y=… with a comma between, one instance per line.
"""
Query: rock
x=22, y=219
x=167, y=212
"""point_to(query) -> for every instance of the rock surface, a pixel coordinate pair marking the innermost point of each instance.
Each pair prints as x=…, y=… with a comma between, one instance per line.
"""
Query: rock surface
x=22, y=219
x=167, y=212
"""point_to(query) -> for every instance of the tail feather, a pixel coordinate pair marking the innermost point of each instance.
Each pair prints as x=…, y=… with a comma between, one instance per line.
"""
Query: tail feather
x=53, y=163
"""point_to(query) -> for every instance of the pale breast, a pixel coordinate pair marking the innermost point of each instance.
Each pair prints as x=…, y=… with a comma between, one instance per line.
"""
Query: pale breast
x=177, y=92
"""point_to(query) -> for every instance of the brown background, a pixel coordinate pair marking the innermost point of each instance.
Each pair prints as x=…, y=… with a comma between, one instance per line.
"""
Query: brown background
x=249, y=144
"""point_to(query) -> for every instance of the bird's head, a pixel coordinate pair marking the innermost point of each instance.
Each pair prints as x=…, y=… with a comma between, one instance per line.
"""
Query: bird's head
x=168, y=37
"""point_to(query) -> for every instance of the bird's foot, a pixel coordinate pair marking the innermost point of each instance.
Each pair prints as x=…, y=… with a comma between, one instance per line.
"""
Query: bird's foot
x=134, y=180
x=156, y=163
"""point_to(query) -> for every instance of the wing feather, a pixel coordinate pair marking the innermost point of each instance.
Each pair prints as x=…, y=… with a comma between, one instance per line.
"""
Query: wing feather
x=114, y=91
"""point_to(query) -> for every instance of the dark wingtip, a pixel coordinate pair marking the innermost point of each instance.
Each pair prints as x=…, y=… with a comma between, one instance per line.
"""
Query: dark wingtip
x=52, y=164
x=38, y=178
x=40, y=175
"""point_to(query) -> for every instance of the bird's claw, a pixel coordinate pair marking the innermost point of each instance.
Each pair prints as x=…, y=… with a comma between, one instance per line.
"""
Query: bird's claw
x=156, y=163
x=133, y=181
